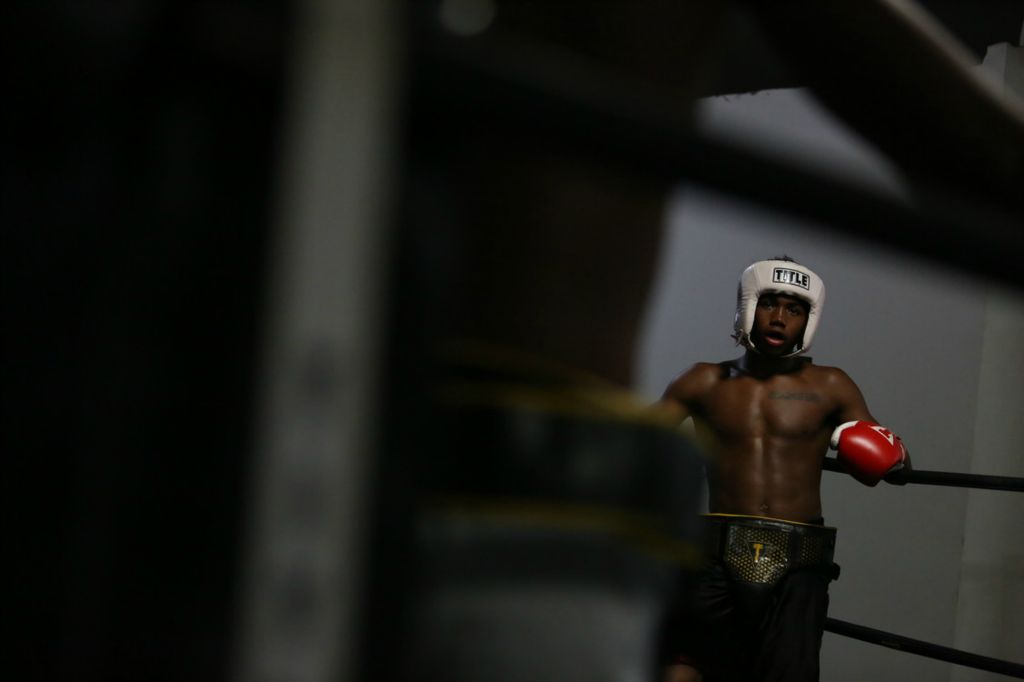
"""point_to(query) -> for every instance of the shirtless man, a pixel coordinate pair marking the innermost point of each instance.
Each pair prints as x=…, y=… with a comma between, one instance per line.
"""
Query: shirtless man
x=768, y=419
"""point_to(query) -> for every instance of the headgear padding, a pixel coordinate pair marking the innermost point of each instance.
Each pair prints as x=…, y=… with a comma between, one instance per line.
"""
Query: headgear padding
x=777, y=277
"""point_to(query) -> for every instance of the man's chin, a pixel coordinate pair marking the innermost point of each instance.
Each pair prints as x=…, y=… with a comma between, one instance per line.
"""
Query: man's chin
x=771, y=351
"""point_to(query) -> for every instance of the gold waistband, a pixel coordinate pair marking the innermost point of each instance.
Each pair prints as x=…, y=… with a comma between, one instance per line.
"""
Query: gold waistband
x=762, y=550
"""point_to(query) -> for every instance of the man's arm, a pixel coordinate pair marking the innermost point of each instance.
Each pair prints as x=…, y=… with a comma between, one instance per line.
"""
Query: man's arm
x=851, y=403
x=868, y=451
x=683, y=396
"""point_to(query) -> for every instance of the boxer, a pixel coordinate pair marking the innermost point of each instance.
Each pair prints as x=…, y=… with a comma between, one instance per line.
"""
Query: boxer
x=768, y=418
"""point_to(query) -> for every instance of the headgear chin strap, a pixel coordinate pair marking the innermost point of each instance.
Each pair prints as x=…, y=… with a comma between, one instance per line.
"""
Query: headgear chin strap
x=777, y=277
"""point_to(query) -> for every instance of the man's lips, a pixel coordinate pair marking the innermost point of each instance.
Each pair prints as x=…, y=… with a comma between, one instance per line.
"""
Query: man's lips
x=775, y=339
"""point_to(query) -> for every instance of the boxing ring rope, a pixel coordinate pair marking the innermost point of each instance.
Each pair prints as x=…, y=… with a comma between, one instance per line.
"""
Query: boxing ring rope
x=915, y=646
x=459, y=83
x=945, y=478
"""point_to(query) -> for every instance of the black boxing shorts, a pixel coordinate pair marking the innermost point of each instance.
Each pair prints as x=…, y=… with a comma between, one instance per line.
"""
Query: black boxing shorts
x=759, y=608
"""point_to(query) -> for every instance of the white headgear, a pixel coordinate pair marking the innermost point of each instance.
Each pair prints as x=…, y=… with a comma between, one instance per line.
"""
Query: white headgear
x=777, y=277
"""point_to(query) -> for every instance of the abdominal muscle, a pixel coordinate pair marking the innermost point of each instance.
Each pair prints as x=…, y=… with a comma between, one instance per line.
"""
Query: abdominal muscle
x=773, y=477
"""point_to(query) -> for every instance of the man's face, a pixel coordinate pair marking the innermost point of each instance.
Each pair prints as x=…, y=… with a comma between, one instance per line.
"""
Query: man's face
x=779, y=323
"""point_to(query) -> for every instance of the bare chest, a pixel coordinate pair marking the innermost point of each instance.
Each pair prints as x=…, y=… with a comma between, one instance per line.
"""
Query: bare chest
x=782, y=407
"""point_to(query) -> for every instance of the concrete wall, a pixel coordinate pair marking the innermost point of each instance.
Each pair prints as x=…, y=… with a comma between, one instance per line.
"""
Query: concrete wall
x=990, y=611
x=911, y=334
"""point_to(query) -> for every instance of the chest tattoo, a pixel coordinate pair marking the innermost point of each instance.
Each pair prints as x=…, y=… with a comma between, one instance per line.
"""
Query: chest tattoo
x=787, y=395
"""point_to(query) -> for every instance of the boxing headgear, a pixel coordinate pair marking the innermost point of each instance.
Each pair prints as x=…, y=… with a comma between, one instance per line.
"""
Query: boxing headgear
x=777, y=277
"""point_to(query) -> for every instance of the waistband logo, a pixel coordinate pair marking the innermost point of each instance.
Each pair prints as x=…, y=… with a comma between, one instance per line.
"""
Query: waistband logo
x=793, y=277
x=760, y=549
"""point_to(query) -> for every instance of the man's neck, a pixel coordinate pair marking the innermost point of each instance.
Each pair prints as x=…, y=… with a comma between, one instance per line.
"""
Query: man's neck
x=755, y=364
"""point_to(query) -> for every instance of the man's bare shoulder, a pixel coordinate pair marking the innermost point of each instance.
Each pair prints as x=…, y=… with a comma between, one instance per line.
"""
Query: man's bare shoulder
x=703, y=372
x=836, y=383
x=845, y=392
x=688, y=391
x=830, y=376
x=695, y=381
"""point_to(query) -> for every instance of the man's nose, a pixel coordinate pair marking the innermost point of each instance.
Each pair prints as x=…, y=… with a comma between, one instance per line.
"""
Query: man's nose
x=777, y=318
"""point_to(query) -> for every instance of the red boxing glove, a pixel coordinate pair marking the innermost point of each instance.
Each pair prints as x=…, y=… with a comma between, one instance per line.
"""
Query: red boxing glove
x=868, y=451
